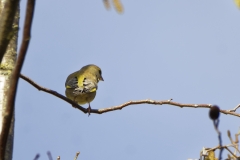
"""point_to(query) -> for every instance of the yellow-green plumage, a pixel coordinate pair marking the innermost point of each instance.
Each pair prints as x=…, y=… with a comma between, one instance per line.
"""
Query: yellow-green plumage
x=81, y=86
x=81, y=98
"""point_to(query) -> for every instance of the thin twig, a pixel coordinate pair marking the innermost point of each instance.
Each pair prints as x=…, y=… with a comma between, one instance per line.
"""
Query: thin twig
x=218, y=147
x=236, y=138
x=15, y=76
x=235, y=145
x=230, y=137
x=37, y=156
x=230, y=152
x=234, y=110
x=215, y=123
x=104, y=110
x=49, y=155
x=222, y=147
x=74, y=104
x=76, y=155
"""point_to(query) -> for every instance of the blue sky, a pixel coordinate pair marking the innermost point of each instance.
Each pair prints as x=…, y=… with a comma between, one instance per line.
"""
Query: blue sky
x=185, y=50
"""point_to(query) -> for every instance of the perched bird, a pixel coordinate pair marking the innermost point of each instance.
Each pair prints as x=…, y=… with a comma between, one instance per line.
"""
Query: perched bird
x=81, y=86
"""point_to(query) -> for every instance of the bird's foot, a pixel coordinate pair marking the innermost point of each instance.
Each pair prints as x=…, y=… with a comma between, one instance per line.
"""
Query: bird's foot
x=89, y=110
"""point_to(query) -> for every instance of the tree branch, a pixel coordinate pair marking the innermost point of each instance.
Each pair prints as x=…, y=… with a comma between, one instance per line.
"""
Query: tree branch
x=215, y=123
x=234, y=110
x=15, y=76
x=49, y=155
x=7, y=12
x=104, y=110
x=36, y=157
x=222, y=147
x=40, y=88
x=76, y=155
x=231, y=152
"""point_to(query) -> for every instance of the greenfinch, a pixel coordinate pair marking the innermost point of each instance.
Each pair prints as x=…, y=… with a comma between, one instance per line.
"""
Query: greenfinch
x=81, y=86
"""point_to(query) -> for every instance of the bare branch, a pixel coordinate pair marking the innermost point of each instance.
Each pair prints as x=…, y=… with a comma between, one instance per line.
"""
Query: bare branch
x=49, y=155
x=215, y=123
x=37, y=156
x=74, y=104
x=221, y=147
x=234, y=145
x=232, y=141
x=15, y=76
x=236, y=138
x=234, y=110
x=7, y=12
x=230, y=152
x=76, y=155
x=104, y=110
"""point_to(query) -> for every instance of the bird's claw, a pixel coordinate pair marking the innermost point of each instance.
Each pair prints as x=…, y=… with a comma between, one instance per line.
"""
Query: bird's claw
x=89, y=110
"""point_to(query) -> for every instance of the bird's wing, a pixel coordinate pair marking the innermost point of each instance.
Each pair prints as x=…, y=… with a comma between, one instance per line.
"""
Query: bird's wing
x=72, y=83
x=81, y=82
x=86, y=86
x=72, y=80
x=81, y=85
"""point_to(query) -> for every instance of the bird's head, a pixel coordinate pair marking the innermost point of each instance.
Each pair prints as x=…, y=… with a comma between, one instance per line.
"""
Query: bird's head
x=97, y=71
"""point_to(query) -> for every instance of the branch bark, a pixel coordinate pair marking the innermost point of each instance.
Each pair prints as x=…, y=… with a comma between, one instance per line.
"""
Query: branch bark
x=207, y=150
x=7, y=117
x=7, y=13
x=104, y=110
x=7, y=65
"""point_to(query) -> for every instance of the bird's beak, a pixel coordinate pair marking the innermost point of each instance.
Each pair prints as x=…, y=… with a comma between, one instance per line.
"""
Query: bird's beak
x=101, y=79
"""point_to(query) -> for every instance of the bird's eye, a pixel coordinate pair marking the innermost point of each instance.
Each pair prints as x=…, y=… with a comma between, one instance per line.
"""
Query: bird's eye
x=100, y=72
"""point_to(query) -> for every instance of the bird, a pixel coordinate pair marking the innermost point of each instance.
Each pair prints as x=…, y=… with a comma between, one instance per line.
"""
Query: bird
x=81, y=86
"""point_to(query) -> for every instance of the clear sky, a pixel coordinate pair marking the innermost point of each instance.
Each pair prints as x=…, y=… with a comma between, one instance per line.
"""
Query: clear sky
x=185, y=50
